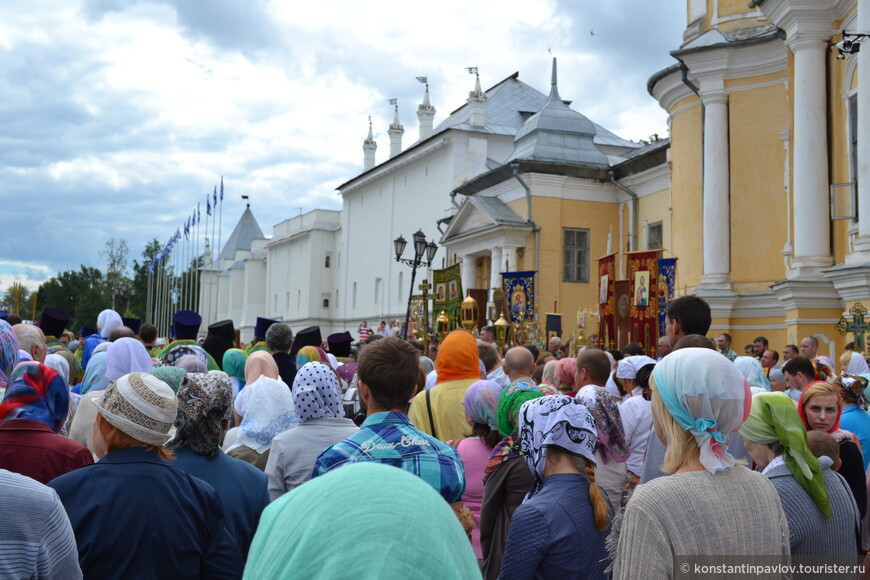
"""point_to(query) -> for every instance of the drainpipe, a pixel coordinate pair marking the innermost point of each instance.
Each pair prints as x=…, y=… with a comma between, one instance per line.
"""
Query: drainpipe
x=516, y=169
x=453, y=199
x=632, y=224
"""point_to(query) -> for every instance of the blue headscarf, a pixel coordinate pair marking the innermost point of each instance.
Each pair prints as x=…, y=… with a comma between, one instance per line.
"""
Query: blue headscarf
x=95, y=378
x=37, y=392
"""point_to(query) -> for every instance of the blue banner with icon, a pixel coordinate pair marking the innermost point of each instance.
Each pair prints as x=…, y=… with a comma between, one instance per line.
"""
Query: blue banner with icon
x=666, y=285
x=519, y=288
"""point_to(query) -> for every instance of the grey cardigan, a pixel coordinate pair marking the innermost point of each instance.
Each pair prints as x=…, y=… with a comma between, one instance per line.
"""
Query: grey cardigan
x=810, y=531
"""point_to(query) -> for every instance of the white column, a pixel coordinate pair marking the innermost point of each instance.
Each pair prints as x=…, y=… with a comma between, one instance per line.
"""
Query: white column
x=717, y=204
x=811, y=197
x=469, y=272
x=496, y=269
x=509, y=258
x=862, y=243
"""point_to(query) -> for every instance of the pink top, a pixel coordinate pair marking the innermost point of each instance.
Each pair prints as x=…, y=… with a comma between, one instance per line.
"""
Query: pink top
x=474, y=454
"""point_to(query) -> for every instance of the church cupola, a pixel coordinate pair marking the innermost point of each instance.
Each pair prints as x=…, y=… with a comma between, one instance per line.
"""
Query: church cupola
x=396, y=131
x=370, y=146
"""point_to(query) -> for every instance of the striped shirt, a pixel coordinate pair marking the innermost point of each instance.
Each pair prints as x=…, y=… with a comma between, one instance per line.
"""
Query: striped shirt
x=389, y=438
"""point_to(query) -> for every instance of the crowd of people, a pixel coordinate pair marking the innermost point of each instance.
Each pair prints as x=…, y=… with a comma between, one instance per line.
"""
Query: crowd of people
x=135, y=456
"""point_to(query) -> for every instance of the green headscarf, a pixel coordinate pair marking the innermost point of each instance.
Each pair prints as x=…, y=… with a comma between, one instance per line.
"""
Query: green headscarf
x=774, y=419
x=172, y=376
x=233, y=364
x=509, y=403
x=402, y=529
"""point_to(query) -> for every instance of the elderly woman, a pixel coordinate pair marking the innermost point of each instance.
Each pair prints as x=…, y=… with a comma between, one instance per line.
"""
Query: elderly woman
x=822, y=515
x=268, y=411
x=698, y=398
x=559, y=532
x=204, y=401
x=820, y=408
x=317, y=400
x=506, y=479
x=392, y=511
x=135, y=516
x=480, y=402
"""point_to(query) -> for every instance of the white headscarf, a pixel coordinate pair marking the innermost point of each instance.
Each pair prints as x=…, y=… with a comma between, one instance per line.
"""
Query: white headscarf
x=269, y=411
x=708, y=396
x=554, y=420
x=124, y=356
x=627, y=368
x=107, y=321
x=857, y=365
x=316, y=392
x=59, y=364
x=754, y=373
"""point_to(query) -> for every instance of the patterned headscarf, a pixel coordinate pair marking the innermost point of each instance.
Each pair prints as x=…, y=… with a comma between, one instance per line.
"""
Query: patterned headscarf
x=753, y=371
x=126, y=355
x=204, y=401
x=481, y=401
x=38, y=392
x=172, y=376
x=708, y=396
x=234, y=364
x=604, y=408
x=316, y=392
x=556, y=420
x=8, y=352
x=774, y=419
x=260, y=364
x=269, y=411
x=178, y=351
x=95, y=376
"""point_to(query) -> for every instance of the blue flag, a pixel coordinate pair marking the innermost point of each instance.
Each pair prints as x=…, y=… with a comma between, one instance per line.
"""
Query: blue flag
x=222, y=187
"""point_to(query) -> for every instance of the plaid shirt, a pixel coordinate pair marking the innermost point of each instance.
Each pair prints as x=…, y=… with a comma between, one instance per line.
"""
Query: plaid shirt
x=389, y=438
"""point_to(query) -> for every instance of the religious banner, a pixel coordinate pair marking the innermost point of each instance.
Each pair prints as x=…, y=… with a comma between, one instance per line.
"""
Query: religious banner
x=606, y=301
x=643, y=310
x=667, y=282
x=447, y=295
x=520, y=290
x=554, y=325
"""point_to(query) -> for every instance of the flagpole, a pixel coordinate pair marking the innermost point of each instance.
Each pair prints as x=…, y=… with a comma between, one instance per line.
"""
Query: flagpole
x=213, y=257
x=220, y=228
x=196, y=259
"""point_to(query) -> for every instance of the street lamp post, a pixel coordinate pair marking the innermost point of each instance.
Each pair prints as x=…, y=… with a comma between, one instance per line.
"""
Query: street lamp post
x=421, y=247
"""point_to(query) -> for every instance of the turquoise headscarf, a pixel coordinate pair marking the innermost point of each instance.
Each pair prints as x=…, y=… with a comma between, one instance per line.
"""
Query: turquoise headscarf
x=234, y=364
x=753, y=371
x=402, y=529
x=95, y=378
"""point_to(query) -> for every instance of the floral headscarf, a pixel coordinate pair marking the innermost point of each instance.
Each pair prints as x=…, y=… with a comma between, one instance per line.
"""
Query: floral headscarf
x=176, y=352
x=774, y=419
x=604, y=408
x=38, y=392
x=204, y=401
x=556, y=420
x=8, y=352
x=708, y=396
x=316, y=392
x=481, y=401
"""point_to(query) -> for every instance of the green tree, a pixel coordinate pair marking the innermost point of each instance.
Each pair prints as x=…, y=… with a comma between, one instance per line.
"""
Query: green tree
x=82, y=294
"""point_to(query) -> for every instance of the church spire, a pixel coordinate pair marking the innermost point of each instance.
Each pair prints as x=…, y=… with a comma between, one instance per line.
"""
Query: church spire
x=425, y=112
x=396, y=131
x=554, y=85
x=369, y=148
x=476, y=101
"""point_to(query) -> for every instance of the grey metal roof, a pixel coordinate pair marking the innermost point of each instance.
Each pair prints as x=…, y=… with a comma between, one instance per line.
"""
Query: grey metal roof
x=497, y=210
x=245, y=231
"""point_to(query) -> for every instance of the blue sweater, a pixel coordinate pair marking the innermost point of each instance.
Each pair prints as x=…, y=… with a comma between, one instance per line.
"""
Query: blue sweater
x=858, y=422
x=553, y=534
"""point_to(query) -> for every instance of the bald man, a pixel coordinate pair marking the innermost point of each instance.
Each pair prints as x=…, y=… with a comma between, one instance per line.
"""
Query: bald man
x=519, y=364
x=809, y=347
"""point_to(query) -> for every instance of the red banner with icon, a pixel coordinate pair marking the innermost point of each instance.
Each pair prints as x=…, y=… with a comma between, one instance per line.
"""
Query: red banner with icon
x=606, y=301
x=643, y=270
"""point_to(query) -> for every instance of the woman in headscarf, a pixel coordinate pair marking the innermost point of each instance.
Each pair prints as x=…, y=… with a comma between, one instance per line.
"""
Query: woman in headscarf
x=560, y=530
x=234, y=365
x=438, y=411
x=506, y=479
x=58, y=363
x=317, y=401
x=853, y=363
x=268, y=410
x=820, y=408
x=480, y=402
x=204, y=403
x=822, y=515
x=134, y=515
x=309, y=354
x=566, y=368
x=754, y=373
x=126, y=355
x=8, y=352
x=261, y=365
x=176, y=353
x=699, y=397
x=854, y=417
x=32, y=413
x=172, y=376
x=409, y=524
x=107, y=321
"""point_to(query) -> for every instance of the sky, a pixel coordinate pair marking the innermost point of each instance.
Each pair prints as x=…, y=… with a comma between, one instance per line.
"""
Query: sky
x=118, y=116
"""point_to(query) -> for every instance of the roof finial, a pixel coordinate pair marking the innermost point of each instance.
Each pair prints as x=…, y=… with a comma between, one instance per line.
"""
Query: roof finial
x=553, y=82
x=554, y=89
x=370, y=137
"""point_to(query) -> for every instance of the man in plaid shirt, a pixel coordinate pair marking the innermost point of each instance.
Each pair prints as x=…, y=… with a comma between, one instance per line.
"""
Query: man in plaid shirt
x=387, y=371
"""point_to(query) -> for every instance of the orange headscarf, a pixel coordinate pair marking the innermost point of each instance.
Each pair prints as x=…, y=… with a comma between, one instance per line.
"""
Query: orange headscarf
x=457, y=357
x=260, y=363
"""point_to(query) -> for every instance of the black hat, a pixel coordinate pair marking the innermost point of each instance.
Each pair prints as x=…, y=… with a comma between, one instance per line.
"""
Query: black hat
x=306, y=337
x=53, y=321
x=339, y=343
x=133, y=324
x=86, y=331
x=186, y=324
x=263, y=325
x=219, y=340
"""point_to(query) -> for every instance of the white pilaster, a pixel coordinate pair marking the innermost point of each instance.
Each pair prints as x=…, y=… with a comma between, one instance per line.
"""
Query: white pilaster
x=861, y=246
x=468, y=271
x=496, y=268
x=509, y=259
